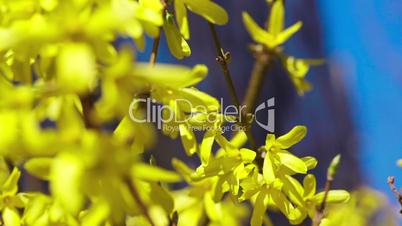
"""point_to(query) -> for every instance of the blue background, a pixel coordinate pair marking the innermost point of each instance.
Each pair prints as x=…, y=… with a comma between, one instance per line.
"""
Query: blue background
x=365, y=37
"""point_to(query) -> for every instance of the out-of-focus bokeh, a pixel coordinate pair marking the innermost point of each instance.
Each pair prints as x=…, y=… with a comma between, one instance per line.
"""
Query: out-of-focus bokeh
x=363, y=43
x=355, y=107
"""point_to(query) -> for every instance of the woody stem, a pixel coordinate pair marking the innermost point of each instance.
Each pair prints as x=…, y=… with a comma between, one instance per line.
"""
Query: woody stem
x=222, y=60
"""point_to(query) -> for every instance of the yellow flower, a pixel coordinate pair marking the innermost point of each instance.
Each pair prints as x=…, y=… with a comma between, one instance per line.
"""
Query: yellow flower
x=10, y=199
x=202, y=200
x=277, y=157
x=275, y=34
x=42, y=209
x=297, y=70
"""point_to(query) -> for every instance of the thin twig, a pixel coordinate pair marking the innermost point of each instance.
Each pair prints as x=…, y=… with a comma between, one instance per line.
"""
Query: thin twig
x=222, y=59
x=398, y=195
x=319, y=214
x=87, y=103
x=173, y=221
x=141, y=204
x=155, y=47
x=333, y=167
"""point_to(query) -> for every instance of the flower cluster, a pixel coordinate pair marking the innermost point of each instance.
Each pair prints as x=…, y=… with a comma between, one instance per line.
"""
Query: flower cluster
x=63, y=83
x=274, y=36
x=270, y=185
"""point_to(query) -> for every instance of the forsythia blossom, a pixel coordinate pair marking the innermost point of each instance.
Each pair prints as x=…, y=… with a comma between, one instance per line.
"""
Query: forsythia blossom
x=274, y=36
x=68, y=97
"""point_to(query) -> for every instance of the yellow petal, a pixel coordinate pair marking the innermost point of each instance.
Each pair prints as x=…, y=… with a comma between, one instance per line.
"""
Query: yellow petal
x=155, y=5
x=257, y=33
x=10, y=187
x=182, y=168
x=4, y=170
x=212, y=209
x=193, y=100
x=293, y=189
x=181, y=18
x=288, y=32
x=292, y=137
x=168, y=75
x=206, y=146
x=334, y=196
x=188, y=139
x=162, y=197
x=284, y=205
x=176, y=43
x=310, y=162
x=149, y=13
x=239, y=139
x=325, y=222
x=229, y=148
x=76, y=68
x=49, y=5
x=276, y=18
x=152, y=173
x=209, y=10
x=11, y=217
x=97, y=214
x=66, y=181
x=39, y=167
x=259, y=210
x=292, y=162
x=301, y=85
x=247, y=155
x=309, y=184
x=269, y=141
x=268, y=169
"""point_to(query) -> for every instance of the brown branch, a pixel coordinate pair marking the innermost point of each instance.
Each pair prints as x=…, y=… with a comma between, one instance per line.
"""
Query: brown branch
x=398, y=195
x=319, y=214
x=137, y=198
x=222, y=59
x=263, y=60
x=88, y=102
x=155, y=47
x=333, y=167
x=173, y=221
